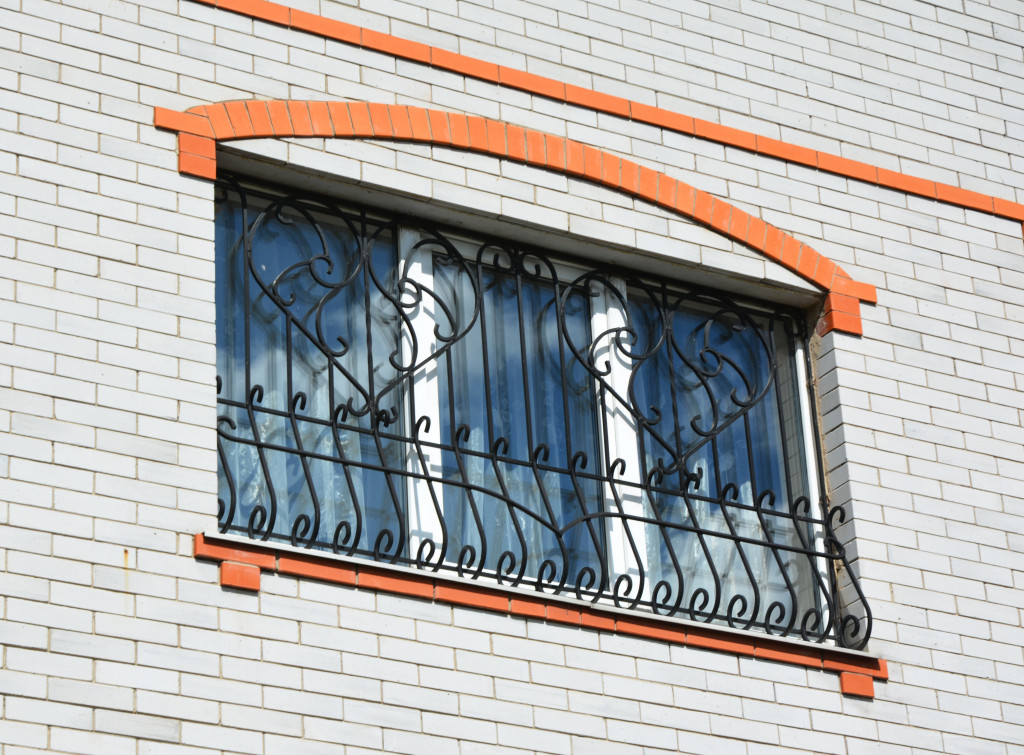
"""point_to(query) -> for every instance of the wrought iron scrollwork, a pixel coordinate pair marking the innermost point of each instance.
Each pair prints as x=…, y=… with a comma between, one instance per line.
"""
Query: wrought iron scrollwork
x=396, y=392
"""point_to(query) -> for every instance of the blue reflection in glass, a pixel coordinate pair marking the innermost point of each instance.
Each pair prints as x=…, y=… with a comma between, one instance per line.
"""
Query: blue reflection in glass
x=536, y=411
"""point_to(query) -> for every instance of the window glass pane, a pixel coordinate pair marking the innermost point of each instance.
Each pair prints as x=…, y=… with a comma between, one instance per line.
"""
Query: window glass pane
x=723, y=472
x=526, y=408
x=306, y=332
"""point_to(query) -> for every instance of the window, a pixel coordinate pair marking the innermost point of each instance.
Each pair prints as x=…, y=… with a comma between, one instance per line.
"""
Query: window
x=395, y=391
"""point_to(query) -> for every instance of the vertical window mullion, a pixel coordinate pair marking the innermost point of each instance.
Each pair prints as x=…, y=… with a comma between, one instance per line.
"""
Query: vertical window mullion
x=628, y=551
x=423, y=457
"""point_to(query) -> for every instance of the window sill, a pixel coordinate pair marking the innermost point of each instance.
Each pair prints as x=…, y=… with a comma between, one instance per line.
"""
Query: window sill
x=243, y=561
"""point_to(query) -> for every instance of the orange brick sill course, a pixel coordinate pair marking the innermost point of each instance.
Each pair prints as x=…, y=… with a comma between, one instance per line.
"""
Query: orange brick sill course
x=242, y=562
x=436, y=57
x=200, y=128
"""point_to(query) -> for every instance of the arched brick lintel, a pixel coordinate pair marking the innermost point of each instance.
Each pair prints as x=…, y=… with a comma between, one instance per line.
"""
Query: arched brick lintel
x=199, y=128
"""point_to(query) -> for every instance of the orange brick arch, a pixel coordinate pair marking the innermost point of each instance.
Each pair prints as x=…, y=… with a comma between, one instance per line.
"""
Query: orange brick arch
x=200, y=128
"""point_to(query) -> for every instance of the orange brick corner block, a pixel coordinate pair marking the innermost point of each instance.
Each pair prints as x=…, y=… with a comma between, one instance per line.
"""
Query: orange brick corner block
x=240, y=576
x=194, y=165
x=190, y=123
x=842, y=322
x=860, y=685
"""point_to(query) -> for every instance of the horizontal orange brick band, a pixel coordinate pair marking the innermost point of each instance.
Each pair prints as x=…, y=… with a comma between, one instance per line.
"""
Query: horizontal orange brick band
x=282, y=15
x=250, y=119
x=240, y=561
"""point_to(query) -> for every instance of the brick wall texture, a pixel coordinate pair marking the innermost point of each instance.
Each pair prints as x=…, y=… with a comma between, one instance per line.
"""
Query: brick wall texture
x=114, y=639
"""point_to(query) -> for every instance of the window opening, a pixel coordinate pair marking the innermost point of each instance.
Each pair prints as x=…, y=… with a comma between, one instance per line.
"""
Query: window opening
x=395, y=391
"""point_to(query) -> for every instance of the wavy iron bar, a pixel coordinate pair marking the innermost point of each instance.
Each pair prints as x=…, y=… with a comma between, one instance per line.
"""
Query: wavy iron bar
x=392, y=391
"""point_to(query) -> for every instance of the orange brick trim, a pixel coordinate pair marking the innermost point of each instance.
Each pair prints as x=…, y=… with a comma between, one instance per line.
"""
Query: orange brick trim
x=241, y=562
x=236, y=120
x=240, y=576
x=368, y=39
x=860, y=685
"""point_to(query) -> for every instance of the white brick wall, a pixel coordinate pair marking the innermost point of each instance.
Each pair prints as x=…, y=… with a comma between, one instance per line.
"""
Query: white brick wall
x=115, y=640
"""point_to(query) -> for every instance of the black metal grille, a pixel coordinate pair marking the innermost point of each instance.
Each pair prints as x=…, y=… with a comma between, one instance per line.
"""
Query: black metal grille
x=392, y=391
